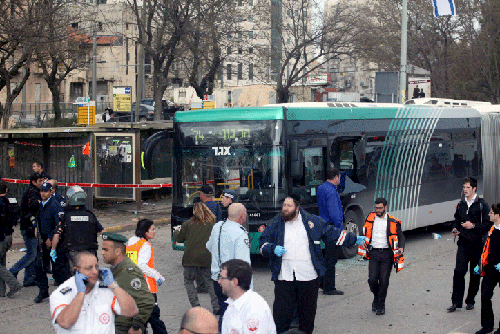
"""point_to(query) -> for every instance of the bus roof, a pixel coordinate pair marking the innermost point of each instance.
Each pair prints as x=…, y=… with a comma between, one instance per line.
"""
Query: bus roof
x=324, y=111
x=230, y=114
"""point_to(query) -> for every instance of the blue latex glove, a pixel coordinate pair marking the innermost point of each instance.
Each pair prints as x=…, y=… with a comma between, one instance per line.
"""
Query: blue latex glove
x=106, y=276
x=497, y=266
x=476, y=270
x=159, y=281
x=80, y=282
x=279, y=250
x=360, y=240
x=53, y=255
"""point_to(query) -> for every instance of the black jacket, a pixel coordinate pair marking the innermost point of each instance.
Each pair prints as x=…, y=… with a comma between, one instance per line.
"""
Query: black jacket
x=30, y=202
x=476, y=214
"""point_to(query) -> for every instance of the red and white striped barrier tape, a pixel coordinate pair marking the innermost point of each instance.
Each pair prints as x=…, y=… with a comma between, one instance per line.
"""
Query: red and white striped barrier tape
x=52, y=145
x=98, y=185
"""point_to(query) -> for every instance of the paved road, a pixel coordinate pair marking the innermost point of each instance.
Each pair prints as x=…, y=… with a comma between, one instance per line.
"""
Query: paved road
x=417, y=300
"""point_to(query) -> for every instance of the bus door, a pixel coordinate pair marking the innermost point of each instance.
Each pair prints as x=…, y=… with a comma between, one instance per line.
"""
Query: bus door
x=308, y=172
x=347, y=154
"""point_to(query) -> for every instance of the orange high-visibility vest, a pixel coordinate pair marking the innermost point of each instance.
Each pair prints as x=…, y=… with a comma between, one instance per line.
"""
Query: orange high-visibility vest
x=486, y=251
x=392, y=239
x=133, y=254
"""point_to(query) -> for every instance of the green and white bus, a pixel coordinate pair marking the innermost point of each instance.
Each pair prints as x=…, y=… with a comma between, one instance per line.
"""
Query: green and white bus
x=415, y=156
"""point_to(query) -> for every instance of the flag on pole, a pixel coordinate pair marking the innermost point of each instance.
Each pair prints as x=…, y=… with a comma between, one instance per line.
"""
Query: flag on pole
x=443, y=7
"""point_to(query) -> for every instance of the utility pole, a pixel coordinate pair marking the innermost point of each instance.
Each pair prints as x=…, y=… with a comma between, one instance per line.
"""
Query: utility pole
x=140, y=70
x=404, y=33
x=94, y=58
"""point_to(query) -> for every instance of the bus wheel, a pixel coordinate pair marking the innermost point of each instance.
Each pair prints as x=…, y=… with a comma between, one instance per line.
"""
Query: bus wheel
x=352, y=225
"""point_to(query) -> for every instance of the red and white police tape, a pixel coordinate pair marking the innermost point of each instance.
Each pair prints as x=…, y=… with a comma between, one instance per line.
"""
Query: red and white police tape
x=98, y=185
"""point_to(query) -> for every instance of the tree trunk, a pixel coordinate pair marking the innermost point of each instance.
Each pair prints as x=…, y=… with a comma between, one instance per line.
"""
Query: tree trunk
x=282, y=94
x=56, y=100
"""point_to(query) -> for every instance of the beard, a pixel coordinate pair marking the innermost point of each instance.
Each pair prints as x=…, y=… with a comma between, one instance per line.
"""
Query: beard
x=285, y=217
x=381, y=215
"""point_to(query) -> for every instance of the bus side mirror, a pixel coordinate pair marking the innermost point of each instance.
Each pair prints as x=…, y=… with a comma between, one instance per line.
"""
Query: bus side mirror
x=294, y=150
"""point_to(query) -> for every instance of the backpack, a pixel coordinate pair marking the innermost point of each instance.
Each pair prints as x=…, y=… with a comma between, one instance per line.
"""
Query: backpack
x=12, y=210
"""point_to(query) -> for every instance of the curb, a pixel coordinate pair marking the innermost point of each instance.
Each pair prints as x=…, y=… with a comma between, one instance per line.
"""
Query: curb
x=18, y=244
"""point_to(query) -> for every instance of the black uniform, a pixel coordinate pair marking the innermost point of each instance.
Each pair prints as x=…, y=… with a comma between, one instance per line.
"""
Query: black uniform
x=78, y=232
x=491, y=279
x=470, y=245
x=48, y=219
x=30, y=203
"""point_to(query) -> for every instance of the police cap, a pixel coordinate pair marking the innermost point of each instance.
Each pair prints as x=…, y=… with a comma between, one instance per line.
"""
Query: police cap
x=230, y=194
x=206, y=189
x=114, y=237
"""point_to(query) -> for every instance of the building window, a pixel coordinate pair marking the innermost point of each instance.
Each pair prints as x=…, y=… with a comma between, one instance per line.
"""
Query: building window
x=240, y=2
x=250, y=34
x=147, y=64
x=182, y=93
x=219, y=73
x=240, y=51
x=250, y=71
x=74, y=25
x=240, y=71
x=228, y=70
x=250, y=50
x=99, y=26
x=240, y=34
x=228, y=50
x=250, y=18
x=250, y=2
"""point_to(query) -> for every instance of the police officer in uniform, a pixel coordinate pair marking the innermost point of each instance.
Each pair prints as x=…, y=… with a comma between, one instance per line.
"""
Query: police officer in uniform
x=79, y=227
x=228, y=197
x=228, y=240
x=6, y=230
x=48, y=218
x=130, y=277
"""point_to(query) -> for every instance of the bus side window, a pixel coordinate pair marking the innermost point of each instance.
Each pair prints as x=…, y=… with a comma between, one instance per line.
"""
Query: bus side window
x=343, y=157
x=308, y=173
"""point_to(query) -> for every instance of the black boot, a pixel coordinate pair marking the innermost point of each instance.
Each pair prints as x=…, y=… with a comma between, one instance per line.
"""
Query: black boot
x=41, y=296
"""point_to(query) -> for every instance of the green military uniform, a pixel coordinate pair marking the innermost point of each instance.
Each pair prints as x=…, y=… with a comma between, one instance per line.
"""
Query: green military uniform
x=131, y=279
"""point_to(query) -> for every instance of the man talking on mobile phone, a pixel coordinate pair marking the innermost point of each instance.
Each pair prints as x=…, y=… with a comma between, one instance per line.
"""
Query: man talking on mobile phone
x=82, y=304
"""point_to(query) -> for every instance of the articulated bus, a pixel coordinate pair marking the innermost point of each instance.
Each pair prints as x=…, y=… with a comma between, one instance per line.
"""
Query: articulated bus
x=415, y=156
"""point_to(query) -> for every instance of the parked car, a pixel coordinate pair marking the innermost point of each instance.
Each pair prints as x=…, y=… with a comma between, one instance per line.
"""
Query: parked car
x=146, y=114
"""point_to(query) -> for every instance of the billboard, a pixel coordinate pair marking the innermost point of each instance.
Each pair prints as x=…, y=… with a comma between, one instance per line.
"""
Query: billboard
x=419, y=87
x=122, y=98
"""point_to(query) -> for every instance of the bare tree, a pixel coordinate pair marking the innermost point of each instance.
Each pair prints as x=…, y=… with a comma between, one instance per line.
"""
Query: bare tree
x=61, y=49
x=19, y=23
x=161, y=25
x=214, y=23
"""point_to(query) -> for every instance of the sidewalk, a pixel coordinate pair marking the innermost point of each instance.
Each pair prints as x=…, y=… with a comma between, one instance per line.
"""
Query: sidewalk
x=119, y=216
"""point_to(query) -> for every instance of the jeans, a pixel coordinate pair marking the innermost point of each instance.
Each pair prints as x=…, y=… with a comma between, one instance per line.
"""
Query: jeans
x=27, y=261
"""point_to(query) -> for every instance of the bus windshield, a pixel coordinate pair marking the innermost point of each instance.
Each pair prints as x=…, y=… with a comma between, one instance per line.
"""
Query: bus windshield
x=245, y=156
x=255, y=173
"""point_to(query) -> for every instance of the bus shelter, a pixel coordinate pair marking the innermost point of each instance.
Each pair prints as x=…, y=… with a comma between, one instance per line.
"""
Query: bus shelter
x=111, y=161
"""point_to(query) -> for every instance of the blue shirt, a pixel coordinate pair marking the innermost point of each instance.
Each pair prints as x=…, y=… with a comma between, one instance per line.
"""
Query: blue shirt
x=48, y=217
x=329, y=204
x=234, y=244
x=216, y=210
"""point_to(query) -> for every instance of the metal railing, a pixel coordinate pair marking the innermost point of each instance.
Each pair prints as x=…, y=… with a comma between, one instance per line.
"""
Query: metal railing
x=40, y=114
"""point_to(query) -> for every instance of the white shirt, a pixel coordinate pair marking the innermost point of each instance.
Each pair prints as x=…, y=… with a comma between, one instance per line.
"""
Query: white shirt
x=298, y=256
x=379, y=233
x=234, y=244
x=470, y=203
x=97, y=314
x=248, y=314
x=143, y=258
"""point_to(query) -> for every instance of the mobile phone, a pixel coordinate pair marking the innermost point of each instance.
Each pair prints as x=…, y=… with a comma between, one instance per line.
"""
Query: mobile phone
x=100, y=276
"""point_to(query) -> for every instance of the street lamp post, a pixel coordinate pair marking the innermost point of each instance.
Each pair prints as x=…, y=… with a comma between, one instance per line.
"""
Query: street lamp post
x=404, y=33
